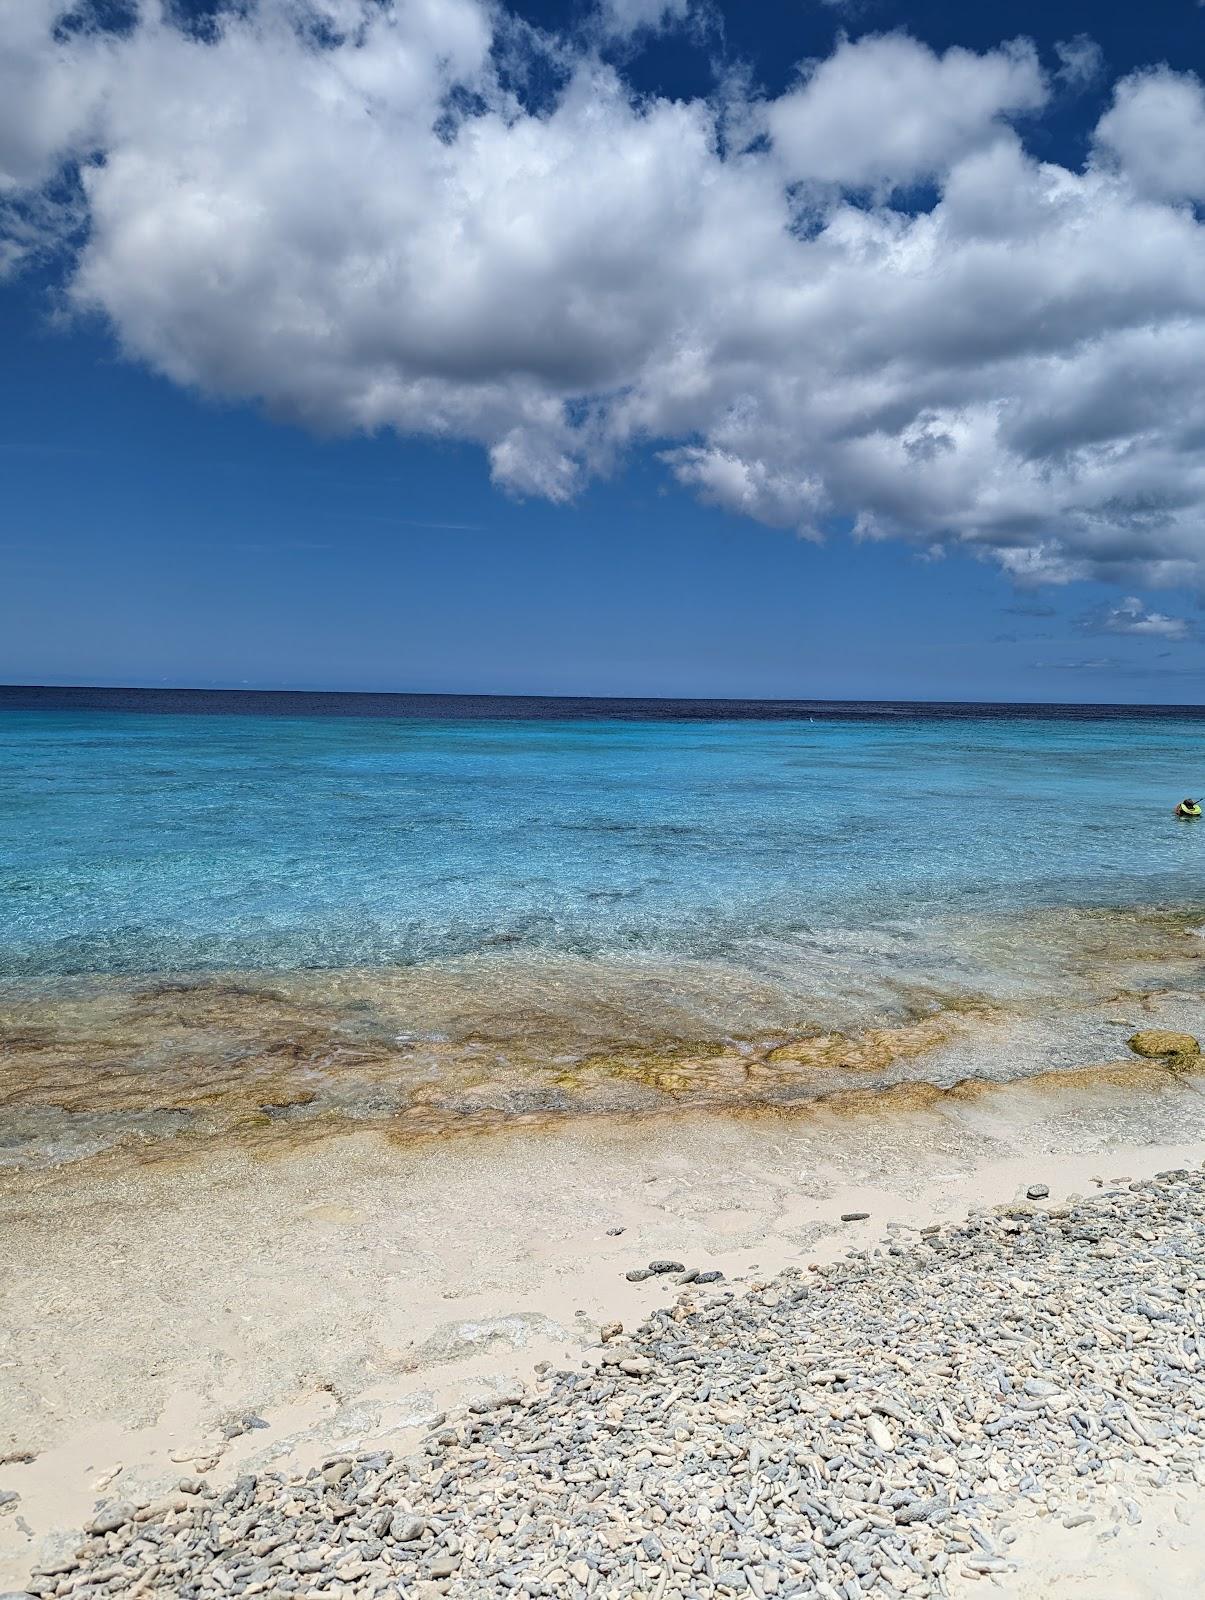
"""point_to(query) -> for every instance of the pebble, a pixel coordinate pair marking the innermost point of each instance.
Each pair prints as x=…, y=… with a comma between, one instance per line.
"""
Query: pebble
x=854, y=1216
x=109, y=1521
x=1037, y=1191
x=240, y=1425
x=862, y=1432
x=880, y=1434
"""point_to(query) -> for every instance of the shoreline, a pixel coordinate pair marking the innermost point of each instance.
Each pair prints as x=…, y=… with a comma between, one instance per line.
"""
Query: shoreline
x=345, y=1292
x=130, y=1068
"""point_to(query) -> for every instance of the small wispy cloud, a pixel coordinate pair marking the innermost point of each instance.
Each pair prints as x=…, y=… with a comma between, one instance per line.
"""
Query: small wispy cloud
x=622, y=18
x=1122, y=669
x=1091, y=664
x=1132, y=617
x=1081, y=60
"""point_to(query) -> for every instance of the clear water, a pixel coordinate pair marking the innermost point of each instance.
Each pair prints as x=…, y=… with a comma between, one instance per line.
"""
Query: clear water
x=136, y=841
x=255, y=919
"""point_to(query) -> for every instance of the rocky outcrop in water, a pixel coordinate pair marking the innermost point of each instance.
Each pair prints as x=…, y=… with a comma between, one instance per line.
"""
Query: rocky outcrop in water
x=1177, y=1049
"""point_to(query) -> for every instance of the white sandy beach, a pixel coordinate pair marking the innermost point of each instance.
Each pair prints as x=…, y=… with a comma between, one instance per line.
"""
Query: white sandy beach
x=345, y=1292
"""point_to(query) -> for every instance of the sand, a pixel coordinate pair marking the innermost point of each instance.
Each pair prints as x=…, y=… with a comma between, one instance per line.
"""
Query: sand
x=344, y=1291
x=1161, y=1558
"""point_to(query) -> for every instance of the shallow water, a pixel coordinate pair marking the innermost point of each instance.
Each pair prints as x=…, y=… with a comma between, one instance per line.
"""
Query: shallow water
x=137, y=843
x=531, y=910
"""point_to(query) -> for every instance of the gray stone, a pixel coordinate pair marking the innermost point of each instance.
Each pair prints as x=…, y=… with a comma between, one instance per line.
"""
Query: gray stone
x=109, y=1521
x=835, y=1423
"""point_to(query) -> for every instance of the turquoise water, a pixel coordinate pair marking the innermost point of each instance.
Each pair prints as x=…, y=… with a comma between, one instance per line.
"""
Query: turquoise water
x=217, y=918
x=140, y=843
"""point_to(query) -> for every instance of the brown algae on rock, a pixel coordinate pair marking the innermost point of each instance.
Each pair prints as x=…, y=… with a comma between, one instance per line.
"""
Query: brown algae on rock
x=1178, y=1050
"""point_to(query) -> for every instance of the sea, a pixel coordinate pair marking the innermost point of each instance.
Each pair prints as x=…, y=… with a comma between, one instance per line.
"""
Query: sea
x=448, y=911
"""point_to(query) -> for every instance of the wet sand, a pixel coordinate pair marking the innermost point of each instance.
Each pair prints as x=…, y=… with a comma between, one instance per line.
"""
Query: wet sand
x=342, y=1290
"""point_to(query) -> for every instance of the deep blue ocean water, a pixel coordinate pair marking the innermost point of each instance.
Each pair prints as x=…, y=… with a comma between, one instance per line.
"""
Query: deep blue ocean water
x=144, y=832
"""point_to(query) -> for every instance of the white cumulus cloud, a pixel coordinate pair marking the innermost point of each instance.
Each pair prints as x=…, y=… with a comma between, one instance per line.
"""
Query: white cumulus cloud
x=889, y=111
x=370, y=216
x=1156, y=130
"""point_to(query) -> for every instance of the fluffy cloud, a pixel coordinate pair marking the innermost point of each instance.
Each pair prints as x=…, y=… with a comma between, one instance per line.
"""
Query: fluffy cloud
x=1156, y=130
x=783, y=500
x=361, y=216
x=887, y=111
x=49, y=94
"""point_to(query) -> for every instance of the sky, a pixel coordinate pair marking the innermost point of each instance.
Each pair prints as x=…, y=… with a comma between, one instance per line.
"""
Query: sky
x=779, y=348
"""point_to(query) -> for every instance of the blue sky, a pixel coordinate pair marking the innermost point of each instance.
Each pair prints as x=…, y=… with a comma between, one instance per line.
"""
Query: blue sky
x=175, y=517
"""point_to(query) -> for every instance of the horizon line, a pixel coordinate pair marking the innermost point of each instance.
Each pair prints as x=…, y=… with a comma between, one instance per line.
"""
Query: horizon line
x=620, y=699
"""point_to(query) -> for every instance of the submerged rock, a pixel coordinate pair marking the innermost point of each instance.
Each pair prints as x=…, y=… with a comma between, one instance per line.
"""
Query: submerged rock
x=1160, y=1043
